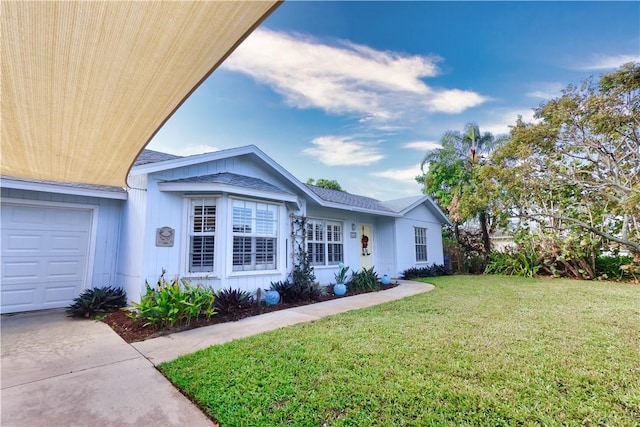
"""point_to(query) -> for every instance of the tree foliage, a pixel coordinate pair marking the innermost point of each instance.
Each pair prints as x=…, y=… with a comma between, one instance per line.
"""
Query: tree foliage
x=452, y=178
x=331, y=184
x=573, y=174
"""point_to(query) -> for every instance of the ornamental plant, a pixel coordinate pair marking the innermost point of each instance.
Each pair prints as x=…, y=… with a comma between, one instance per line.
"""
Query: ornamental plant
x=173, y=303
x=97, y=301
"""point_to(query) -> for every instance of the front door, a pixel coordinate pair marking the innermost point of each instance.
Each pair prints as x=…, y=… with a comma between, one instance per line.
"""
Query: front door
x=366, y=246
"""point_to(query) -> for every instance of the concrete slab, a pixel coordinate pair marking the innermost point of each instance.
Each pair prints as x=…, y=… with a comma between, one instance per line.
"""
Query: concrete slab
x=167, y=348
x=46, y=344
x=127, y=393
x=57, y=371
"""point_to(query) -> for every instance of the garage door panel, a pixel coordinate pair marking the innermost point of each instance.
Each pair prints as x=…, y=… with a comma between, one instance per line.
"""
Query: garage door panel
x=67, y=244
x=64, y=270
x=15, y=271
x=18, y=298
x=45, y=253
x=71, y=220
x=23, y=217
x=21, y=243
x=56, y=295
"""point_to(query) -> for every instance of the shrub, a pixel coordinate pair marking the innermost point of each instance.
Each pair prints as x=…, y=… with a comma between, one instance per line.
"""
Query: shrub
x=229, y=301
x=298, y=292
x=522, y=263
x=428, y=271
x=171, y=303
x=97, y=300
x=364, y=280
x=614, y=267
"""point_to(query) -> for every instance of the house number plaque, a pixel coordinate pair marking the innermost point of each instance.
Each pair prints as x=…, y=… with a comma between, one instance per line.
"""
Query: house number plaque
x=164, y=237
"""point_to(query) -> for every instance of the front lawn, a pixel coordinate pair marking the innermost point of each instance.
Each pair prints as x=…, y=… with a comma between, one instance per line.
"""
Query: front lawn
x=478, y=350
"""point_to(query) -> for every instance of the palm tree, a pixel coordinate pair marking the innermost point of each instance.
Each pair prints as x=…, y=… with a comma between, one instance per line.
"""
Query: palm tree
x=450, y=178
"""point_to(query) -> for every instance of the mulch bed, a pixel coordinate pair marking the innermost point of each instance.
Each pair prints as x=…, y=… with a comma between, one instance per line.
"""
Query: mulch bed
x=132, y=330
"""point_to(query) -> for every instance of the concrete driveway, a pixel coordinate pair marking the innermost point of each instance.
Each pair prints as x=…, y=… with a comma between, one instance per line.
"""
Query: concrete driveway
x=62, y=372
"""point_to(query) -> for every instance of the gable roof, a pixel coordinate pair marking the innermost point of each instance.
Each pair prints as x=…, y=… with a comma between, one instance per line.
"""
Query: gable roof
x=232, y=179
x=151, y=156
x=319, y=195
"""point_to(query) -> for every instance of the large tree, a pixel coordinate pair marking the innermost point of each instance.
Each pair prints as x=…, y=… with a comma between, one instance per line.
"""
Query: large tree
x=452, y=178
x=331, y=184
x=575, y=170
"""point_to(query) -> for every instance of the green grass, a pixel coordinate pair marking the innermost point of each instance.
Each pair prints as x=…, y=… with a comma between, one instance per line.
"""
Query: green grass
x=478, y=350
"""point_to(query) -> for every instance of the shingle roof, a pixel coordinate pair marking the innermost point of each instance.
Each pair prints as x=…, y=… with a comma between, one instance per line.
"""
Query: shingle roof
x=232, y=179
x=108, y=188
x=348, y=199
x=151, y=156
x=398, y=205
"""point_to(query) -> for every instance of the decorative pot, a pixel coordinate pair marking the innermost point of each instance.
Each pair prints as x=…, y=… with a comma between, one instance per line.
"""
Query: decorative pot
x=386, y=281
x=339, y=289
x=272, y=297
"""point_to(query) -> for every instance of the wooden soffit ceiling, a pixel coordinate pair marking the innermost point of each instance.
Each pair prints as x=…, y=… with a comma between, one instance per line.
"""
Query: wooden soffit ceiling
x=86, y=85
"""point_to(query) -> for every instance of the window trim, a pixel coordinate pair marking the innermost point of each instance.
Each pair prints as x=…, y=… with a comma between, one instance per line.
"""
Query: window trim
x=326, y=242
x=417, y=244
x=278, y=246
x=187, y=223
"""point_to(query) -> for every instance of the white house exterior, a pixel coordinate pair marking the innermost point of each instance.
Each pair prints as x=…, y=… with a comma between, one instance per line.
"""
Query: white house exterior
x=225, y=219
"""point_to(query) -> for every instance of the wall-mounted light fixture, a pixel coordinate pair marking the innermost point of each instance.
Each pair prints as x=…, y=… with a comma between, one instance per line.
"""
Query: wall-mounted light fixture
x=353, y=226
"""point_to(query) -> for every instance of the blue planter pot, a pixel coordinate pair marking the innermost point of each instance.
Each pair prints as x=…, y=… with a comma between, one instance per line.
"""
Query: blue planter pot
x=339, y=289
x=272, y=297
x=386, y=281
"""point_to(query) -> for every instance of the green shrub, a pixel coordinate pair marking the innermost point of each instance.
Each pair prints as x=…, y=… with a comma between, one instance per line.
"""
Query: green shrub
x=428, y=271
x=97, y=300
x=614, y=267
x=364, y=280
x=522, y=263
x=172, y=303
x=298, y=292
x=229, y=301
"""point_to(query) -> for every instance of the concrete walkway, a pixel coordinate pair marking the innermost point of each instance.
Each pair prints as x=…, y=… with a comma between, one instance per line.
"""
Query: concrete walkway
x=58, y=371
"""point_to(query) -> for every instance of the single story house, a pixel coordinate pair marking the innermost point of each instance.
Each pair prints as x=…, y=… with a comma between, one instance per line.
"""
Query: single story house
x=231, y=218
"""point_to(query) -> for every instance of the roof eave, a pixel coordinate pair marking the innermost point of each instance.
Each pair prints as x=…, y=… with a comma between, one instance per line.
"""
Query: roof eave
x=19, y=184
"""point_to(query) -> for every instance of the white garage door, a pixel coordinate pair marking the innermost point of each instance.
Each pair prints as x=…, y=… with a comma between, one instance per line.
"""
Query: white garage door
x=45, y=256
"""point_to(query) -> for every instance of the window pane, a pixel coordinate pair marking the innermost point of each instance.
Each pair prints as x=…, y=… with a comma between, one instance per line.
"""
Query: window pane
x=421, y=244
x=242, y=251
x=241, y=220
x=201, y=258
x=204, y=218
x=265, y=222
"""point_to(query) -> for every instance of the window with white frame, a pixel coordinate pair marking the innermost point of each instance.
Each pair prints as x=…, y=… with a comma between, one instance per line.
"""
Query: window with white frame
x=202, y=231
x=421, y=244
x=255, y=236
x=324, y=242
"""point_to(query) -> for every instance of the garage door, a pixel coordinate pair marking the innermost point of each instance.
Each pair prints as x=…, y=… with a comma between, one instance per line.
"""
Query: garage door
x=45, y=256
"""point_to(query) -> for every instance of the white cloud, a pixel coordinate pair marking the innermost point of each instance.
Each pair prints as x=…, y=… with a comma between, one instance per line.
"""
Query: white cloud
x=346, y=78
x=422, y=145
x=503, y=120
x=407, y=175
x=546, y=91
x=454, y=101
x=607, y=62
x=342, y=151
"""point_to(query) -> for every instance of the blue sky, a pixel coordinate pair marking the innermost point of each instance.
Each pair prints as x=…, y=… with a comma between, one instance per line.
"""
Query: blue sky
x=358, y=91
